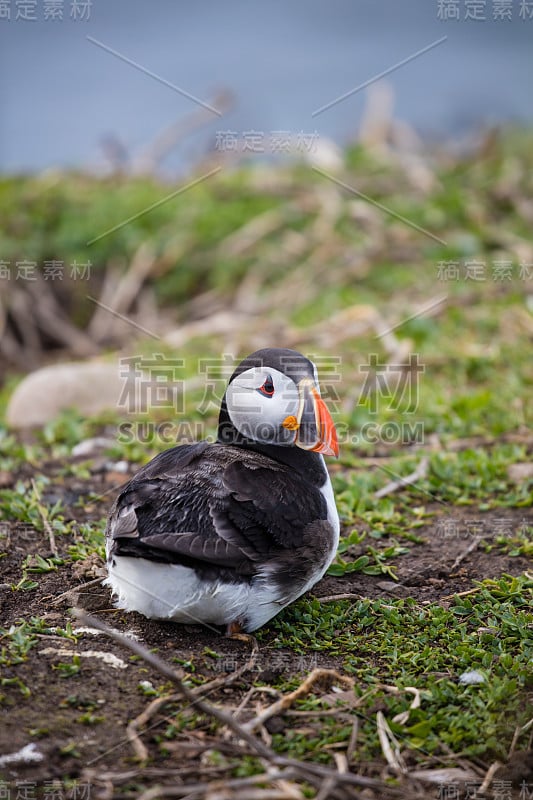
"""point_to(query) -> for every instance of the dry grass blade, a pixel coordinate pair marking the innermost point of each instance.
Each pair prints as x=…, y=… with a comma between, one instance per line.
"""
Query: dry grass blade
x=252, y=232
x=519, y=730
x=471, y=547
x=56, y=600
x=403, y=716
x=44, y=517
x=352, y=744
x=400, y=483
x=386, y=740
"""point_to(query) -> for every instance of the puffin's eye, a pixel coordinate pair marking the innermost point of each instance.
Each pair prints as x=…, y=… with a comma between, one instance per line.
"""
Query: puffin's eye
x=268, y=387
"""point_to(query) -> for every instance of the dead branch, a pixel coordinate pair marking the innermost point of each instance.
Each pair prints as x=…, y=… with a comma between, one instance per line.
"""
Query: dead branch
x=201, y=788
x=51, y=319
x=166, y=141
x=162, y=667
x=488, y=777
x=125, y=290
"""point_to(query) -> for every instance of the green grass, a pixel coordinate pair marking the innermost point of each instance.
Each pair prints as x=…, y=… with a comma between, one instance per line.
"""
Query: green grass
x=428, y=647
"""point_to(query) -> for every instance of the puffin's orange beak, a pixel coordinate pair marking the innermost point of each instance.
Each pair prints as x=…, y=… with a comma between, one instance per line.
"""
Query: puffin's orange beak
x=314, y=427
x=328, y=443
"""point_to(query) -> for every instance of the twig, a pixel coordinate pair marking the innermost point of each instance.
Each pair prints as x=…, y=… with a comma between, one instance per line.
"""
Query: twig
x=393, y=486
x=487, y=780
x=472, y=546
x=44, y=517
x=249, y=234
x=341, y=762
x=331, y=598
x=352, y=744
x=519, y=730
x=132, y=728
x=201, y=788
x=288, y=699
x=306, y=771
x=461, y=594
x=74, y=590
x=103, y=324
x=52, y=320
x=327, y=787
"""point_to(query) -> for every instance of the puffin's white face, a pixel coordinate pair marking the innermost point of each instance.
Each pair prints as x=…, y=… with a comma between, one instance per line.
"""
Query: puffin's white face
x=260, y=401
x=267, y=406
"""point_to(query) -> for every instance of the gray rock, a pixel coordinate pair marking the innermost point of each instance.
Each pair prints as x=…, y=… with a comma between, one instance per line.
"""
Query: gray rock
x=90, y=387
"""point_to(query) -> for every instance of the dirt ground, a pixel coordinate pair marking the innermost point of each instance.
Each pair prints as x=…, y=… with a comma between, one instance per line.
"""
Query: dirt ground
x=78, y=723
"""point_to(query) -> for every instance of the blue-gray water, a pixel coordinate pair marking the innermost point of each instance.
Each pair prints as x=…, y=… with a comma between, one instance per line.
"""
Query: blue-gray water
x=61, y=94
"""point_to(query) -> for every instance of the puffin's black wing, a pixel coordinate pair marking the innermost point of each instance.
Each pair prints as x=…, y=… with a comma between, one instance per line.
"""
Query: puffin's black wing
x=214, y=506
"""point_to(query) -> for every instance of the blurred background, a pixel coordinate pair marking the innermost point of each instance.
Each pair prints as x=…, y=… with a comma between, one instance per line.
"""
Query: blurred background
x=188, y=180
x=65, y=99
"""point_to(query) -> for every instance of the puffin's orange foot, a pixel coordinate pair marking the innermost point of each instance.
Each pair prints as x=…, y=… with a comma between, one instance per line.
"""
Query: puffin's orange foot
x=233, y=628
x=234, y=631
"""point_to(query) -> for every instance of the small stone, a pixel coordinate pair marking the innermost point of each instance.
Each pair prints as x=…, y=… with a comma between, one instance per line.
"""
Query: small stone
x=393, y=588
x=118, y=466
x=521, y=472
x=89, y=446
x=472, y=677
x=6, y=479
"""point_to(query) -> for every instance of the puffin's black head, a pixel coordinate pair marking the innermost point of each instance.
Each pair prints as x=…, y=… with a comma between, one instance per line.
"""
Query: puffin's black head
x=273, y=398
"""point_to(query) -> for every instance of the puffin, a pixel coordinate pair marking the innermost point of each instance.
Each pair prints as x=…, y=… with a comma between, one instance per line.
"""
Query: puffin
x=230, y=532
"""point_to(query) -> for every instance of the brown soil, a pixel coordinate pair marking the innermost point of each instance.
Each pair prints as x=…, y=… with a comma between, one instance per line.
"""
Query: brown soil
x=57, y=714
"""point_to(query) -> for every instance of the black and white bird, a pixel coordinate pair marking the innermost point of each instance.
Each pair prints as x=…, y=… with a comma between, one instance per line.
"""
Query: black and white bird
x=230, y=532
